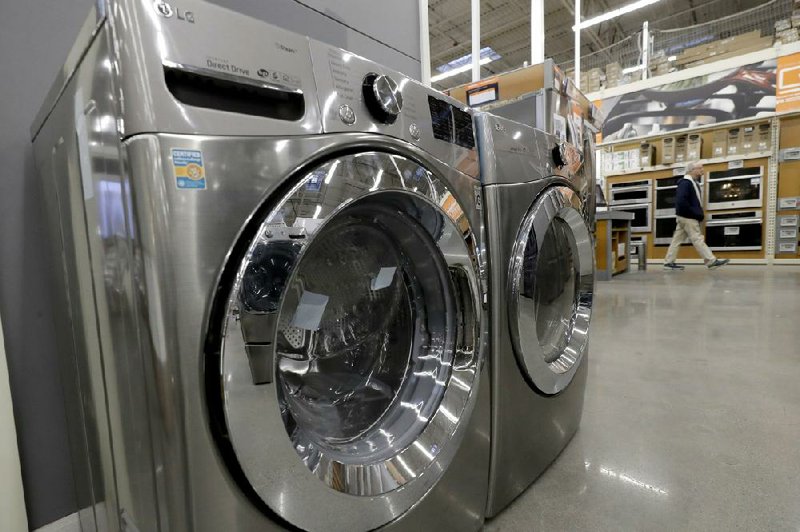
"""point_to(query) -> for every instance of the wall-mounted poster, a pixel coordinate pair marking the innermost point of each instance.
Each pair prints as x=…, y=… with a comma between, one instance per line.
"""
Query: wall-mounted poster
x=744, y=92
x=788, y=90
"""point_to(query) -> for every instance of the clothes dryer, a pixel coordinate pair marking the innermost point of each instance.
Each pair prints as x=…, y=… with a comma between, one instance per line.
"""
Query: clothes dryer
x=270, y=275
x=539, y=202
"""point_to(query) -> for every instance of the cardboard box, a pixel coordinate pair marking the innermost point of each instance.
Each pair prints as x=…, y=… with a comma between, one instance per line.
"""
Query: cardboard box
x=734, y=141
x=647, y=154
x=764, y=137
x=668, y=150
x=694, y=147
x=748, y=141
x=633, y=161
x=680, y=148
x=719, y=143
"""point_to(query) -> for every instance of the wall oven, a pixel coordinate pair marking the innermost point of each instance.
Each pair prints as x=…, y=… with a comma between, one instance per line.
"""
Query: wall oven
x=641, y=216
x=735, y=231
x=664, y=229
x=631, y=193
x=735, y=188
x=666, y=190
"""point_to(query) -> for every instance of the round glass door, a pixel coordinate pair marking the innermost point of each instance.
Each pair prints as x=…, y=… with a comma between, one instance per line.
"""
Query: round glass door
x=350, y=346
x=552, y=282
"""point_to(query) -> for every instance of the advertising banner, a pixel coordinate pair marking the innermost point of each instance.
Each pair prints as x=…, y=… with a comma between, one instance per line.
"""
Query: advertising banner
x=734, y=94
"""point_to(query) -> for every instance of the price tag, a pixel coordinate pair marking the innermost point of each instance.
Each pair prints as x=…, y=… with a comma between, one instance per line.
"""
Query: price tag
x=736, y=164
x=788, y=221
x=788, y=233
x=787, y=203
x=787, y=247
x=755, y=181
x=732, y=231
x=678, y=171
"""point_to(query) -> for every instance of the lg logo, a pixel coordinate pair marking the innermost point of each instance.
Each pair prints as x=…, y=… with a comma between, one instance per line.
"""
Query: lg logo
x=166, y=11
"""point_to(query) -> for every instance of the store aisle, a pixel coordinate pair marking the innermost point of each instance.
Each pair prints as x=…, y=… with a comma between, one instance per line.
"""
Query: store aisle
x=692, y=416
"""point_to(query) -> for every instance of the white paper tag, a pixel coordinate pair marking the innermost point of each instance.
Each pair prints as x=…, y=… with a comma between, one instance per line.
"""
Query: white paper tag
x=383, y=279
x=678, y=171
x=787, y=247
x=755, y=181
x=736, y=164
x=732, y=231
x=788, y=221
x=787, y=203
x=788, y=233
x=309, y=311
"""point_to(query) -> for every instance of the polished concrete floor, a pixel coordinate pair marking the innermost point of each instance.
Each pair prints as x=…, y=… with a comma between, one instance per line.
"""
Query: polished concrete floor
x=692, y=416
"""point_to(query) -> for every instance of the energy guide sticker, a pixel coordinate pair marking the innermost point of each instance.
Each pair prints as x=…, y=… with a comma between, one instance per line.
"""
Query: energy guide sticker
x=187, y=165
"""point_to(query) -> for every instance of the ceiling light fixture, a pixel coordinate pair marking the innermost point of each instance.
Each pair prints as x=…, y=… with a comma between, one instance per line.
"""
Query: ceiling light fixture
x=459, y=70
x=614, y=13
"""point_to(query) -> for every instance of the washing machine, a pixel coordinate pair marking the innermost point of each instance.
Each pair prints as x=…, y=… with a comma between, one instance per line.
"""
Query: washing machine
x=267, y=259
x=539, y=208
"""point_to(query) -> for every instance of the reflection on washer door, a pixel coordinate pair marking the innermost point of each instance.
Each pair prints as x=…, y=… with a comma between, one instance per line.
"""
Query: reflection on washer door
x=361, y=351
x=555, y=290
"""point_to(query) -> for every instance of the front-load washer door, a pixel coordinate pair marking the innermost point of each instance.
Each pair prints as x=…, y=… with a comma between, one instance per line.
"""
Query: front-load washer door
x=347, y=359
x=551, y=286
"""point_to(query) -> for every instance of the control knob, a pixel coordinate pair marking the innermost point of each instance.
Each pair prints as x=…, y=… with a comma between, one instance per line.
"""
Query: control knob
x=382, y=97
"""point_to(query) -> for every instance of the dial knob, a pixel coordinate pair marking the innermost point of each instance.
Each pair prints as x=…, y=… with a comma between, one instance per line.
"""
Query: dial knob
x=382, y=96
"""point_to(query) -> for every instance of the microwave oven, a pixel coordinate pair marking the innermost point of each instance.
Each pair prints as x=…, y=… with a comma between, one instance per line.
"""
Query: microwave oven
x=630, y=193
x=735, y=231
x=735, y=188
x=641, y=216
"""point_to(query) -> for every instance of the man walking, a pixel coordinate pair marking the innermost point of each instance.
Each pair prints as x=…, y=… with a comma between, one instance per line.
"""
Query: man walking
x=689, y=211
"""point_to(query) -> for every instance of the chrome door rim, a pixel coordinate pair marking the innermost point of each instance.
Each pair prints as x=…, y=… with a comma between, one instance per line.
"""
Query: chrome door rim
x=562, y=203
x=268, y=459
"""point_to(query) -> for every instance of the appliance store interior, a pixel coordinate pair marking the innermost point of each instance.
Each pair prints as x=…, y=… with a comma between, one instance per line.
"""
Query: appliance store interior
x=439, y=265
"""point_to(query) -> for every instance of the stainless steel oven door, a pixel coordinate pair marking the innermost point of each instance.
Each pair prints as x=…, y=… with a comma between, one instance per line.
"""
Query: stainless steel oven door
x=631, y=193
x=642, y=220
x=735, y=234
x=741, y=190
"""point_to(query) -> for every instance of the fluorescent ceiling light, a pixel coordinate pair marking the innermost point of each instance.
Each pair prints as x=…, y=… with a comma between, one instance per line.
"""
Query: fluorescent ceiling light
x=632, y=69
x=486, y=51
x=459, y=70
x=614, y=13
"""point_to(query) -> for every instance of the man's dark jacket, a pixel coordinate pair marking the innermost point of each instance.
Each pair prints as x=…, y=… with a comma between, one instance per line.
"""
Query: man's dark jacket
x=687, y=204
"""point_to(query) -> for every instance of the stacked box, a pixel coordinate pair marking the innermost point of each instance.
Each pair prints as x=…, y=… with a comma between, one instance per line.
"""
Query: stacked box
x=764, y=137
x=680, y=148
x=668, y=150
x=647, y=154
x=613, y=74
x=787, y=36
x=694, y=147
x=748, y=141
x=719, y=143
x=734, y=141
x=591, y=80
x=632, y=160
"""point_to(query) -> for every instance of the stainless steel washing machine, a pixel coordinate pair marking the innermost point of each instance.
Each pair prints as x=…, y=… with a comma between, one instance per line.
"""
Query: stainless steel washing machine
x=539, y=202
x=268, y=268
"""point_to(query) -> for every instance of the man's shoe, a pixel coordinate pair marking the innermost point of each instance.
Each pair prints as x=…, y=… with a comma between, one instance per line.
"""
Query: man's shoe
x=673, y=266
x=717, y=263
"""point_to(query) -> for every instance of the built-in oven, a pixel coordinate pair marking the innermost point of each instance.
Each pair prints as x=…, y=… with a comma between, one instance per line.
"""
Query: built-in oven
x=664, y=229
x=631, y=193
x=666, y=191
x=641, y=216
x=735, y=188
x=735, y=231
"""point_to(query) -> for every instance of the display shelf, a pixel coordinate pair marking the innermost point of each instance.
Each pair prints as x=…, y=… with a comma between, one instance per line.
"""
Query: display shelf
x=713, y=160
x=687, y=130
